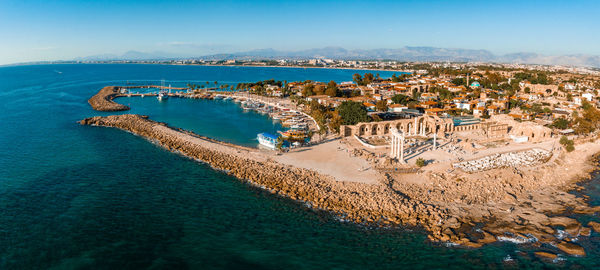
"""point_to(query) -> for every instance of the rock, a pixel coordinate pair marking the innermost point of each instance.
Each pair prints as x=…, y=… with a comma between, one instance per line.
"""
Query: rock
x=594, y=225
x=472, y=244
x=487, y=238
x=545, y=255
x=571, y=248
x=585, y=231
x=102, y=101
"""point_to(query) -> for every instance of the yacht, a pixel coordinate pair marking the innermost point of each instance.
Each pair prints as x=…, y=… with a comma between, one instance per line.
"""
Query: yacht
x=268, y=140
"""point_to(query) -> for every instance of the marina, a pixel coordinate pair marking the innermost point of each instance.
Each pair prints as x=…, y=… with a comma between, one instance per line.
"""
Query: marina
x=297, y=127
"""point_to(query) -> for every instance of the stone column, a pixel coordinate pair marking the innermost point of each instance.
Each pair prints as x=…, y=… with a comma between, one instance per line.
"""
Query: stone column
x=393, y=144
x=415, y=127
x=434, y=141
x=402, y=148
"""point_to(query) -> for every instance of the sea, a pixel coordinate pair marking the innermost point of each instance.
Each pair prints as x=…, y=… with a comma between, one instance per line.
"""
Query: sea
x=82, y=197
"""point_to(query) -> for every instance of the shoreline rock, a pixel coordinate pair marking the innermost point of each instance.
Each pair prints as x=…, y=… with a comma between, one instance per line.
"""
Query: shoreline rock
x=103, y=100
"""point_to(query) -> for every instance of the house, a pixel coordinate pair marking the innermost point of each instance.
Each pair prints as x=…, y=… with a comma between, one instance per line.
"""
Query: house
x=397, y=108
x=588, y=96
x=370, y=106
x=492, y=110
x=478, y=111
x=560, y=113
x=322, y=99
x=428, y=104
x=459, y=88
x=501, y=104
x=463, y=105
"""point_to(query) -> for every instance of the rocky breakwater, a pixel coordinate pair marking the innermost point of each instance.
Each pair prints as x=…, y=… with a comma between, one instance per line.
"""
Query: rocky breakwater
x=357, y=202
x=103, y=100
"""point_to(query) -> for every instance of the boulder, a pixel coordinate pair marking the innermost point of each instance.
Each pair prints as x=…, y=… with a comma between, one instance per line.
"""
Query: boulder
x=545, y=255
x=571, y=248
x=594, y=225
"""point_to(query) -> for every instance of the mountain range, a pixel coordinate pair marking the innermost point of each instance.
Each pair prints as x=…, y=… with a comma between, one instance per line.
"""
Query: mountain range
x=402, y=54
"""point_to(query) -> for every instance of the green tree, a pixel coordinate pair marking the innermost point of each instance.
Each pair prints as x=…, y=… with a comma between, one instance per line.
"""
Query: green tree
x=401, y=99
x=368, y=78
x=459, y=81
x=568, y=144
x=420, y=162
x=332, y=89
x=352, y=113
x=335, y=122
x=381, y=105
x=308, y=90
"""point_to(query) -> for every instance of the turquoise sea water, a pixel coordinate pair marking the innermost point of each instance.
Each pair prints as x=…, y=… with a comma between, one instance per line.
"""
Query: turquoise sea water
x=80, y=197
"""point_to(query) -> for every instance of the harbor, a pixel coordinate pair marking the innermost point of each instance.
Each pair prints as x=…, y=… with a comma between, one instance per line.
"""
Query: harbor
x=298, y=127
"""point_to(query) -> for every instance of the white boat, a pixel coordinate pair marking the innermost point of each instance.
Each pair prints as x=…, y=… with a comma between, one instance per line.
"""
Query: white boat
x=162, y=96
x=267, y=140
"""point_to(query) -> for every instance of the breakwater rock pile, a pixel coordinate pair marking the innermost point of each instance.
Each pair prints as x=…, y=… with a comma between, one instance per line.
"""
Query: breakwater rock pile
x=103, y=100
x=513, y=159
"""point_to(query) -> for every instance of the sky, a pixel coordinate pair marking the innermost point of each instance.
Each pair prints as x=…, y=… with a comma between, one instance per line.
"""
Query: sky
x=43, y=30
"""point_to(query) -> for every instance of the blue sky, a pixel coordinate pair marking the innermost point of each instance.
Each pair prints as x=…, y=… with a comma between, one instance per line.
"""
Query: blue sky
x=34, y=30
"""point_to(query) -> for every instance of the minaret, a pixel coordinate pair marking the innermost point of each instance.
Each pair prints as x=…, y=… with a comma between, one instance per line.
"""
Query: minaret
x=468, y=79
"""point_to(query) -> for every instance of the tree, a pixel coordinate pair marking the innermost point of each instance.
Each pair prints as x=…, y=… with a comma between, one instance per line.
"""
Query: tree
x=308, y=90
x=416, y=94
x=586, y=105
x=352, y=113
x=335, y=122
x=319, y=89
x=357, y=78
x=459, y=81
x=401, y=99
x=568, y=144
x=332, y=89
x=381, y=105
x=368, y=78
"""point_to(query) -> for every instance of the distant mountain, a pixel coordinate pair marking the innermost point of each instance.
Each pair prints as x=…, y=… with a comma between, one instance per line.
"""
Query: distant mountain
x=403, y=54
x=423, y=54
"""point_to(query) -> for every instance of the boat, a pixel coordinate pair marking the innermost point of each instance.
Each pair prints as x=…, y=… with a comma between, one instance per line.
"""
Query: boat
x=293, y=134
x=268, y=140
x=162, y=95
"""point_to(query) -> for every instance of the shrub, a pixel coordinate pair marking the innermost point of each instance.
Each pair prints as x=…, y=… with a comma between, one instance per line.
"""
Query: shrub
x=568, y=144
x=564, y=140
x=570, y=147
x=420, y=162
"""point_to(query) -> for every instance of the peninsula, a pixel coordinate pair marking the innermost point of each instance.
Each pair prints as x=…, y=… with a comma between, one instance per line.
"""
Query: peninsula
x=465, y=180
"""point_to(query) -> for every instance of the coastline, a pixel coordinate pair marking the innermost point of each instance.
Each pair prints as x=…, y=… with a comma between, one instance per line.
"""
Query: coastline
x=507, y=204
x=165, y=64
